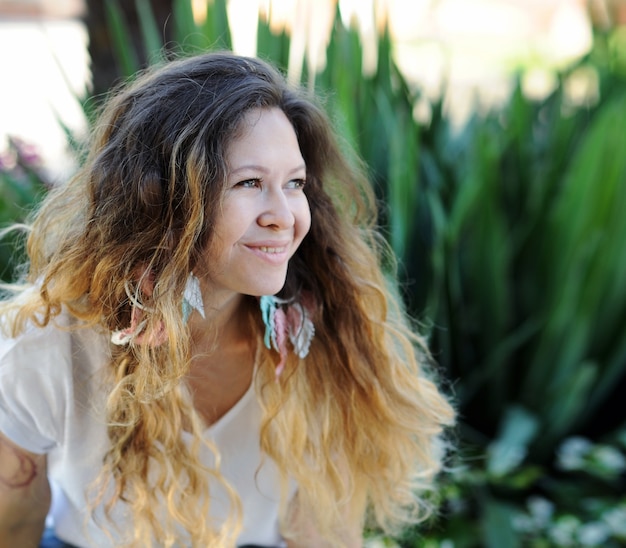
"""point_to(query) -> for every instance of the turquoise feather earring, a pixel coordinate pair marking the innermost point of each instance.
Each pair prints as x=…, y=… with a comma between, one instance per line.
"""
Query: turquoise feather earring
x=287, y=320
x=192, y=297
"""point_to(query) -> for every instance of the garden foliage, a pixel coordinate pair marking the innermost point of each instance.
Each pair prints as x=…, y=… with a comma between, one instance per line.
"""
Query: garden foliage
x=22, y=183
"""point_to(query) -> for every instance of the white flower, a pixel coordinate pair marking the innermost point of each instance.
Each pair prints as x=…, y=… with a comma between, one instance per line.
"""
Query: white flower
x=610, y=459
x=615, y=518
x=541, y=509
x=572, y=453
x=595, y=533
x=563, y=533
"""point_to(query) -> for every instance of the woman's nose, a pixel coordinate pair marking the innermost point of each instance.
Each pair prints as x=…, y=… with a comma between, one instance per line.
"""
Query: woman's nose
x=277, y=211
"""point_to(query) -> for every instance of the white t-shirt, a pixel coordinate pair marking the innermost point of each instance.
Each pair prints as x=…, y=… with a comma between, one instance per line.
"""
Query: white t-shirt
x=50, y=403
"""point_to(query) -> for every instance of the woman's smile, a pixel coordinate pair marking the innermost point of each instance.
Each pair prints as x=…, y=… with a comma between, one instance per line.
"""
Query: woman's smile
x=273, y=252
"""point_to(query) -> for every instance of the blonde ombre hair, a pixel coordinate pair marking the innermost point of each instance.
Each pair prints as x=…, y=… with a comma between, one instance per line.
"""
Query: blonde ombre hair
x=357, y=424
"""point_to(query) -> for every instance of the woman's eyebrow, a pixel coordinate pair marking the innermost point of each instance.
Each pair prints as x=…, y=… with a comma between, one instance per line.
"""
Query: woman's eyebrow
x=263, y=169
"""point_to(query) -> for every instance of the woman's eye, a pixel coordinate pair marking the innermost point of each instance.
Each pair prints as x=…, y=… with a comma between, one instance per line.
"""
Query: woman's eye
x=249, y=183
x=296, y=183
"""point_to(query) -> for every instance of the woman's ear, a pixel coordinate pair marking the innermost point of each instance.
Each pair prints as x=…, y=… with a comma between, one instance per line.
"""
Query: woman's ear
x=137, y=332
x=143, y=278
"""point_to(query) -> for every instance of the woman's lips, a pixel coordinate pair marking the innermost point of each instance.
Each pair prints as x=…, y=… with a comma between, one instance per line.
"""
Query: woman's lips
x=273, y=253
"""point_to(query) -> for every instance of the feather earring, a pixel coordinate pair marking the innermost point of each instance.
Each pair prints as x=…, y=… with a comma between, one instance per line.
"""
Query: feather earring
x=192, y=300
x=287, y=320
x=192, y=297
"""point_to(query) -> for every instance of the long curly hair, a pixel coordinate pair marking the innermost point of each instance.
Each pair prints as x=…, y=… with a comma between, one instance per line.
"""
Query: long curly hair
x=357, y=423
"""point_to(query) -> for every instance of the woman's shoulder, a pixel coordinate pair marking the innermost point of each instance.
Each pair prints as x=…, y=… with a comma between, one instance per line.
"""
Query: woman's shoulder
x=61, y=341
x=40, y=371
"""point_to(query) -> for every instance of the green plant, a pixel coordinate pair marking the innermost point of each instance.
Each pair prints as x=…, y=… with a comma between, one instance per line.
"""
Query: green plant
x=527, y=309
x=22, y=183
x=579, y=503
x=189, y=36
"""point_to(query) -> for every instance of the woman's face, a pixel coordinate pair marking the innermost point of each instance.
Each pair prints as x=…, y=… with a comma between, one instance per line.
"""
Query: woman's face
x=265, y=214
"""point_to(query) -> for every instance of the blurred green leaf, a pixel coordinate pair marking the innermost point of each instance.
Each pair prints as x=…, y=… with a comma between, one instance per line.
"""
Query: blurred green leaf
x=270, y=46
x=121, y=40
x=189, y=37
x=497, y=526
x=508, y=450
x=216, y=27
x=149, y=31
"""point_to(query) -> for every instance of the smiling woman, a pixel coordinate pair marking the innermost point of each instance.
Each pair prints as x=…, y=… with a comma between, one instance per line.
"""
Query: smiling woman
x=204, y=350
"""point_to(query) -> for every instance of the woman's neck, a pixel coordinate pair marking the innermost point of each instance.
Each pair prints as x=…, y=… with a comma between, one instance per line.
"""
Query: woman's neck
x=223, y=351
x=225, y=329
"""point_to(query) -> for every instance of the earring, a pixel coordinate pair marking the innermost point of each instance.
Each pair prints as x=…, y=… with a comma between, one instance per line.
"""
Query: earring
x=287, y=319
x=192, y=300
x=137, y=323
x=192, y=297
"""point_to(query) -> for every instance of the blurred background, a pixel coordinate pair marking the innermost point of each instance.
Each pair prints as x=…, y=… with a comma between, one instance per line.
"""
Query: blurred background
x=495, y=133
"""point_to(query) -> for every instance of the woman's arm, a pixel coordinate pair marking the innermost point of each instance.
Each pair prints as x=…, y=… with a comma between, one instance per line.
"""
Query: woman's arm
x=301, y=523
x=24, y=495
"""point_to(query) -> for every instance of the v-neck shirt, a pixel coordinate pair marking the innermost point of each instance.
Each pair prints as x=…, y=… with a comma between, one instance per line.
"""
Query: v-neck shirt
x=52, y=402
